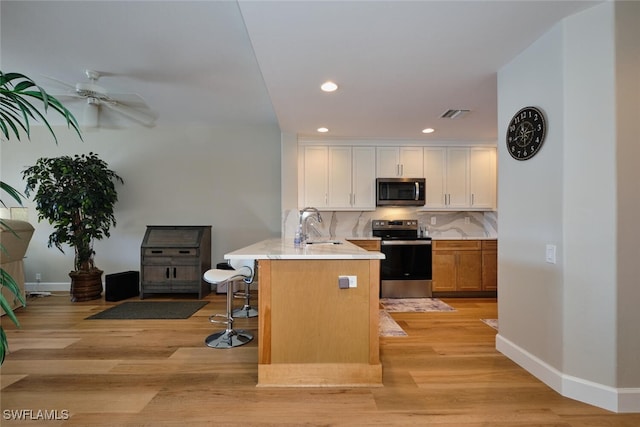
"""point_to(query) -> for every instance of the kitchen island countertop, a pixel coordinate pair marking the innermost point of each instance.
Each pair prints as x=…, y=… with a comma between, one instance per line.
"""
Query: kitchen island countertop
x=279, y=248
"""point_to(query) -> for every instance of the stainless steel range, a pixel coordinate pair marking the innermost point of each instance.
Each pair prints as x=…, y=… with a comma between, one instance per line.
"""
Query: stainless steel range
x=406, y=270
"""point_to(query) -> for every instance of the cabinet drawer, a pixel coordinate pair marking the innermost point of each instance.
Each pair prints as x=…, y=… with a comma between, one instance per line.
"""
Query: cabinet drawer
x=459, y=245
x=489, y=245
x=170, y=252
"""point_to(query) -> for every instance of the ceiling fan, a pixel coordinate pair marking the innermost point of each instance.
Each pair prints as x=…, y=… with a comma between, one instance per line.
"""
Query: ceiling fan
x=129, y=105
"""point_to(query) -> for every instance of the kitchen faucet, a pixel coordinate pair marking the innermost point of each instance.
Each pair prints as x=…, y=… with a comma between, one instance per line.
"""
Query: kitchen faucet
x=303, y=225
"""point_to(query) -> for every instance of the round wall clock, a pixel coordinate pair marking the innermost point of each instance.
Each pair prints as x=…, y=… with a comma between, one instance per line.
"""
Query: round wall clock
x=526, y=133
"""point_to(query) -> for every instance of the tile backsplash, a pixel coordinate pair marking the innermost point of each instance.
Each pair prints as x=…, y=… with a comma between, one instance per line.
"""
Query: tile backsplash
x=334, y=224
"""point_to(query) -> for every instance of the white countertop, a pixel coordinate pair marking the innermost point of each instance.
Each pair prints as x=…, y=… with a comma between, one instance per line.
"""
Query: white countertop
x=284, y=249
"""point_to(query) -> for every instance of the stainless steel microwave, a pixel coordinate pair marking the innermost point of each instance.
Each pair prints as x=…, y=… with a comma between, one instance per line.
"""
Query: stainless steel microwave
x=400, y=191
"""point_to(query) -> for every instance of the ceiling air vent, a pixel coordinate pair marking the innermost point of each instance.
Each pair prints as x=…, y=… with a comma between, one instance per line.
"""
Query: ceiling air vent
x=454, y=114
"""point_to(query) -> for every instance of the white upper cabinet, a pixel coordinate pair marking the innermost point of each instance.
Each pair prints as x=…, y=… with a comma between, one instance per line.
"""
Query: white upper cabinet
x=339, y=177
x=460, y=178
x=399, y=162
x=342, y=177
x=315, y=185
x=482, y=177
x=363, y=178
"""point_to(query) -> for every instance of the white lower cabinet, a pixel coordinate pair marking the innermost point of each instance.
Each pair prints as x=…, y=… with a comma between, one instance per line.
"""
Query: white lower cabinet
x=339, y=177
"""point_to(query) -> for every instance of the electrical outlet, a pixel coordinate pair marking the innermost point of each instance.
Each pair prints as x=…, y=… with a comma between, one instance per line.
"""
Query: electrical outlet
x=38, y=277
x=467, y=220
x=433, y=220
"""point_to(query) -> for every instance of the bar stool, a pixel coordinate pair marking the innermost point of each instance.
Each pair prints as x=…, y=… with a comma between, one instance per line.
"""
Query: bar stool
x=229, y=337
x=247, y=310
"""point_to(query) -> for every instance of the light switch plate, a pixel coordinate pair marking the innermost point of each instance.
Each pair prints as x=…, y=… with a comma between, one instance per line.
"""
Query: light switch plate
x=551, y=254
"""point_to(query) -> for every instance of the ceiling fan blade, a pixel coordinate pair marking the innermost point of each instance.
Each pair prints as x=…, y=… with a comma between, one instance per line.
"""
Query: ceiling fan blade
x=69, y=86
x=131, y=99
x=146, y=118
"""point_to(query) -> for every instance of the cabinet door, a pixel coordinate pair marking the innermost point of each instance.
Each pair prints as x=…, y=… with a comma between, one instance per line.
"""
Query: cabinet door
x=457, y=178
x=434, y=173
x=387, y=162
x=490, y=265
x=411, y=162
x=156, y=273
x=406, y=162
x=185, y=274
x=444, y=271
x=315, y=186
x=363, y=179
x=482, y=177
x=469, y=271
x=339, y=174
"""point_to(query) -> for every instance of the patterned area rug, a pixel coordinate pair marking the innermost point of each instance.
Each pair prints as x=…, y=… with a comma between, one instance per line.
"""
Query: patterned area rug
x=408, y=305
x=389, y=327
x=151, y=310
x=491, y=322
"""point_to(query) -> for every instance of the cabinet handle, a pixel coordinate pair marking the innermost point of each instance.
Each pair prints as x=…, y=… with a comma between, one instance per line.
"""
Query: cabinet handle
x=156, y=252
x=174, y=272
x=473, y=199
x=166, y=273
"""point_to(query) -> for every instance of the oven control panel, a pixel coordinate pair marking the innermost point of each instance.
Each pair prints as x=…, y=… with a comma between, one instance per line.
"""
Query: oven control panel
x=399, y=224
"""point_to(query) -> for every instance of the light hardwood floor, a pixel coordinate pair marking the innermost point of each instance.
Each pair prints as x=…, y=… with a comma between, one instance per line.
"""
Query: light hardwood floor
x=159, y=372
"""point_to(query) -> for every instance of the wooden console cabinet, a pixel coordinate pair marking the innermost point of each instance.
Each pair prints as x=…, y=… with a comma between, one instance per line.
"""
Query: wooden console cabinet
x=174, y=258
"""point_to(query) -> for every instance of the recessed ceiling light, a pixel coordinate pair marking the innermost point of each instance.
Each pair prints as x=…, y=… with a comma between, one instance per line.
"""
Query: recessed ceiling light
x=428, y=130
x=323, y=130
x=329, y=86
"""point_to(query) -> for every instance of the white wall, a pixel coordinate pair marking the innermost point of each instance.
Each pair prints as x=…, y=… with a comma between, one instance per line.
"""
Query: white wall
x=571, y=323
x=627, y=77
x=227, y=177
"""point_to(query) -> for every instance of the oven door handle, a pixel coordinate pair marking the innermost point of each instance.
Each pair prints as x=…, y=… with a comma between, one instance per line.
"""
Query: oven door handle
x=405, y=242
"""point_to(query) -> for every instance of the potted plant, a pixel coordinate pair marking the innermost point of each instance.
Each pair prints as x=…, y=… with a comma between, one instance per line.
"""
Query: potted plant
x=16, y=112
x=77, y=195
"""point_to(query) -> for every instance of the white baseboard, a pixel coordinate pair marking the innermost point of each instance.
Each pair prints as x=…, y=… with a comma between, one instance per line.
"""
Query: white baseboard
x=47, y=287
x=620, y=400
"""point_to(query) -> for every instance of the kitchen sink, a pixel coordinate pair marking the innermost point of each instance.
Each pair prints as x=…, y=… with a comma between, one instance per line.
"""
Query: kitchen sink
x=324, y=242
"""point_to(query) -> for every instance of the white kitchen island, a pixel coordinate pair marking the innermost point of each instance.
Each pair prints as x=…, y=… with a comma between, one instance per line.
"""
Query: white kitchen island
x=311, y=331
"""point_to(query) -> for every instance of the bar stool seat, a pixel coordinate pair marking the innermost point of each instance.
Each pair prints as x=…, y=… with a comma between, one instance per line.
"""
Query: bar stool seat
x=229, y=337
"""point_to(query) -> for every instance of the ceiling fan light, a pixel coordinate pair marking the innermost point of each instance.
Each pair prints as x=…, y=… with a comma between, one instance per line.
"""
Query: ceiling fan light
x=428, y=130
x=323, y=130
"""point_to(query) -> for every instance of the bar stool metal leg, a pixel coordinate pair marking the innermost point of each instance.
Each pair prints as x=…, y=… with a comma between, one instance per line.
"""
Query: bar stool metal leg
x=247, y=310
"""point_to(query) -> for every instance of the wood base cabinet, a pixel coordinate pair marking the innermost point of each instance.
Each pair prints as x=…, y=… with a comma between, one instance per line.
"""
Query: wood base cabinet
x=489, y=265
x=174, y=259
x=457, y=265
x=370, y=245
